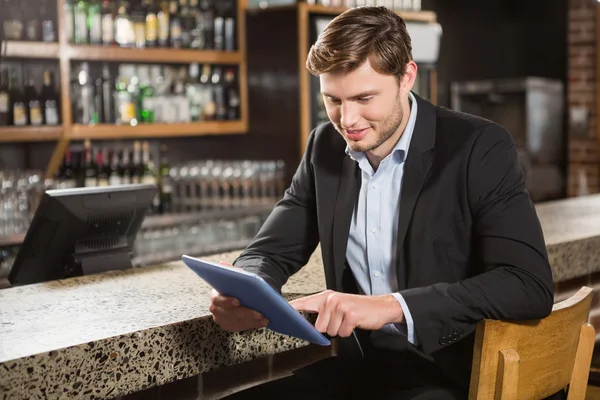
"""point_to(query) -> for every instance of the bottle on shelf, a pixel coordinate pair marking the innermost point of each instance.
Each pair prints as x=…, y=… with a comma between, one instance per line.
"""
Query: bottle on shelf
x=108, y=97
x=103, y=167
x=50, y=100
x=165, y=183
x=124, y=28
x=5, y=114
x=84, y=105
x=95, y=22
x=151, y=11
x=149, y=175
x=91, y=168
x=19, y=104
x=80, y=18
x=108, y=23
x=34, y=104
x=68, y=20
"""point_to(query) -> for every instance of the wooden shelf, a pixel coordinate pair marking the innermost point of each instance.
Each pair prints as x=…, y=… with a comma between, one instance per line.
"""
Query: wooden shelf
x=109, y=131
x=23, y=49
x=30, y=133
x=413, y=16
x=157, y=55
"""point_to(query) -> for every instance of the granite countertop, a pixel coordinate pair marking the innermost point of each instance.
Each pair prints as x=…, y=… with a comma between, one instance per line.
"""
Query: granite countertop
x=108, y=335
x=572, y=233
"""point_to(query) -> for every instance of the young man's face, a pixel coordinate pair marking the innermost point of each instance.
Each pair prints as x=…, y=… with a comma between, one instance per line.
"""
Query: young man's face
x=366, y=107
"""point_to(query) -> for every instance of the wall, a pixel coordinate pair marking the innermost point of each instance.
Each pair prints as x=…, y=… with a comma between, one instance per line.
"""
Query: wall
x=583, y=148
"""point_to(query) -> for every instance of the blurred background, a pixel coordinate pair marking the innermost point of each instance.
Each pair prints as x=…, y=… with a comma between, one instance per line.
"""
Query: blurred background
x=209, y=100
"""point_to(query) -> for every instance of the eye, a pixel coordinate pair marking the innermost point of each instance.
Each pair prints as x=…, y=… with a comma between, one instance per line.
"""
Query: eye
x=365, y=99
x=333, y=100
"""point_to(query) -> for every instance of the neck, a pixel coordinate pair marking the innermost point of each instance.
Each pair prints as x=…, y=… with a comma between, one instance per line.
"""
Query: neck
x=376, y=155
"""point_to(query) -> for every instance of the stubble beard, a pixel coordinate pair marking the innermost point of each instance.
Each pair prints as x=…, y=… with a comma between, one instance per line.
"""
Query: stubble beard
x=386, y=130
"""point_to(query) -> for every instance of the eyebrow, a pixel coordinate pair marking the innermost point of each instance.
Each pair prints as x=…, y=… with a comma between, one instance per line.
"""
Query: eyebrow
x=366, y=93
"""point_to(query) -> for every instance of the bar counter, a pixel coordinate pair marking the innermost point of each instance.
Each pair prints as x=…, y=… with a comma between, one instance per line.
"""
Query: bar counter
x=120, y=332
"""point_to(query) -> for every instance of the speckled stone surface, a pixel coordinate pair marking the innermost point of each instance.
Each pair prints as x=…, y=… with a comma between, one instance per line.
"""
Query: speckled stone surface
x=117, y=333
x=121, y=332
x=572, y=232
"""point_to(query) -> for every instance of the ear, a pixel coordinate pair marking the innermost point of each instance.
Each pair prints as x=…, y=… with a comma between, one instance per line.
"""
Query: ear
x=410, y=75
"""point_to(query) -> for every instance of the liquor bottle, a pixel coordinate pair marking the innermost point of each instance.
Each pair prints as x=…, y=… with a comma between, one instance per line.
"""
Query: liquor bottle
x=136, y=170
x=19, y=105
x=233, y=97
x=175, y=24
x=108, y=23
x=165, y=183
x=68, y=20
x=103, y=167
x=219, y=25
x=125, y=104
x=95, y=22
x=147, y=99
x=125, y=168
x=115, y=170
x=149, y=175
x=138, y=17
x=187, y=24
x=209, y=107
x=108, y=101
x=206, y=11
x=124, y=32
x=219, y=93
x=68, y=174
x=164, y=25
x=83, y=96
x=91, y=168
x=50, y=100
x=151, y=12
x=80, y=12
x=194, y=92
x=34, y=104
x=5, y=115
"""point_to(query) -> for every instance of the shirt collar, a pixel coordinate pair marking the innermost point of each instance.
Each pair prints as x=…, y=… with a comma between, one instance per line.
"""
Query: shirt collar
x=400, y=151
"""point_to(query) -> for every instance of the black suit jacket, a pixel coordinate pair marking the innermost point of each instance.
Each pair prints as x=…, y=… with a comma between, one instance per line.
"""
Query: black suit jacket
x=470, y=245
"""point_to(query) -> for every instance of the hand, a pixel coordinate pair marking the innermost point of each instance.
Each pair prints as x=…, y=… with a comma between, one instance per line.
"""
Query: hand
x=230, y=315
x=340, y=313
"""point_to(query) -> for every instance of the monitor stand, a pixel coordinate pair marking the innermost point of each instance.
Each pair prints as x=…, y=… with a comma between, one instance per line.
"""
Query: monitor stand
x=97, y=262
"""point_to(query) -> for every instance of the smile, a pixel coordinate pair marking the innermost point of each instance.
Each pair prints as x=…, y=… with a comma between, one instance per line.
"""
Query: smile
x=356, y=134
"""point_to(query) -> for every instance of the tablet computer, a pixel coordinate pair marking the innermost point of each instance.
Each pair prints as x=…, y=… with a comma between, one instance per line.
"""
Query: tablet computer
x=254, y=292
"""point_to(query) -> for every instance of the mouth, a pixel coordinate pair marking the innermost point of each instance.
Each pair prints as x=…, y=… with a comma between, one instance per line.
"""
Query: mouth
x=356, y=134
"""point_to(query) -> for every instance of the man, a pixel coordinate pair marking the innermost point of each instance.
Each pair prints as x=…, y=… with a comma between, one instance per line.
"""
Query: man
x=425, y=226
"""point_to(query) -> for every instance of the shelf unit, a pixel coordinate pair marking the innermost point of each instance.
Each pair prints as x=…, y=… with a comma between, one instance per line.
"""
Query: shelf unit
x=108, y=131
x=30, y=134
x=65, y=52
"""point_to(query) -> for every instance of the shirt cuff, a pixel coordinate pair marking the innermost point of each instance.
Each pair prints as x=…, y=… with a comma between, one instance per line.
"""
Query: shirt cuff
x=410, y=327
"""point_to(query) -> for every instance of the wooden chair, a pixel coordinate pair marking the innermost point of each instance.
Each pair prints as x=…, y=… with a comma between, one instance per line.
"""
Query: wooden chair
x=534, y=359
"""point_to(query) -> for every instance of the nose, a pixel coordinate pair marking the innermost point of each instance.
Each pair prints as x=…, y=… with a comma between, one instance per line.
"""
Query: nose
x=349, y=115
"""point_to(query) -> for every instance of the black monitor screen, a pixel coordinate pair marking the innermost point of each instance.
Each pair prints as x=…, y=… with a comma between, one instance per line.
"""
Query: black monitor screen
x=81, y=231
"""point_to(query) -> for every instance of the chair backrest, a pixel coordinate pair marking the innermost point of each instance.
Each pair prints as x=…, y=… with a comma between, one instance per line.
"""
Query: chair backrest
x=534, y=359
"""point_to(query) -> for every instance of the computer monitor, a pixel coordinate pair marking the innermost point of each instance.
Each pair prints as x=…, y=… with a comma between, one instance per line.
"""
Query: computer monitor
x=81, y=231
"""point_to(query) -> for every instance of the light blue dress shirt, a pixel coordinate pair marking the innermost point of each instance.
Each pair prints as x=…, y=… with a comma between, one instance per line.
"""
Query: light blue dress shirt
x=372, y=241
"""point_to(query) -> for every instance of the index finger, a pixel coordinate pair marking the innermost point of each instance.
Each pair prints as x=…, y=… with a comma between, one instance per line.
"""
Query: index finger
x=309, y=303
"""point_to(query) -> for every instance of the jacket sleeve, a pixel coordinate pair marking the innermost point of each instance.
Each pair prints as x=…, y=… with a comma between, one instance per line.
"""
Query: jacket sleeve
x=517, y=280
x=289, y=236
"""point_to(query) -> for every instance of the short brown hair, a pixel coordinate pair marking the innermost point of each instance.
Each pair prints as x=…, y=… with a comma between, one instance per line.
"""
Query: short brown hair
x=370, y=32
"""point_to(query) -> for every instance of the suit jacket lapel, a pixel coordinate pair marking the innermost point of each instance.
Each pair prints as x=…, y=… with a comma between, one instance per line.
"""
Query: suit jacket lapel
x=418, y=163
x=347, y=195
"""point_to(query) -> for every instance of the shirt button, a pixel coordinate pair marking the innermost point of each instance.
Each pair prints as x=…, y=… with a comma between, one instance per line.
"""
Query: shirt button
x=376, y=273
x=373, y=230
x=374, y=186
